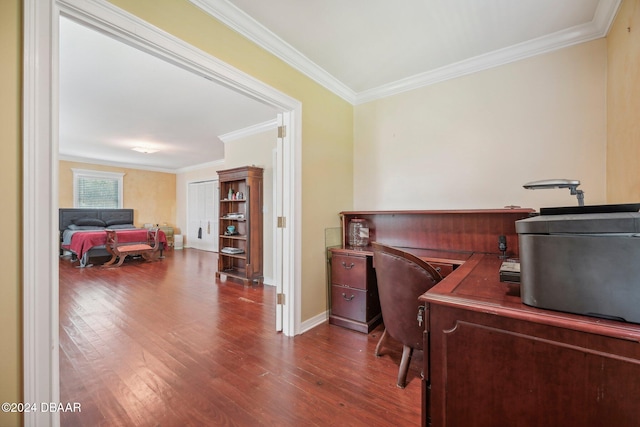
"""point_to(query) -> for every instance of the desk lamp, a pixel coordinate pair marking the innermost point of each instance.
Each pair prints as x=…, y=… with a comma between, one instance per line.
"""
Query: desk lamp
x=571, y=184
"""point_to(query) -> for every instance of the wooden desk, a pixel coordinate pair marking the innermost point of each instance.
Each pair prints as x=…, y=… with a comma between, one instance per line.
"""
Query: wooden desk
x=445, y=238
x=354, y=290
x=494, y=361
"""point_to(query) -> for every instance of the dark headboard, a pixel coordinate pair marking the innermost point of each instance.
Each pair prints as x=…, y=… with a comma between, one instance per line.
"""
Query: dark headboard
x=68, y=215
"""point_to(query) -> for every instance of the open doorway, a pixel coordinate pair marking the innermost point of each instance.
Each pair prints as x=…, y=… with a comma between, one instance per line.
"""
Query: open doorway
x=40, y=284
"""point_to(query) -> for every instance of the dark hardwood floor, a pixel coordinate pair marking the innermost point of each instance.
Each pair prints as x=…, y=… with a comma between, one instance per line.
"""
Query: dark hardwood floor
x=165, y=344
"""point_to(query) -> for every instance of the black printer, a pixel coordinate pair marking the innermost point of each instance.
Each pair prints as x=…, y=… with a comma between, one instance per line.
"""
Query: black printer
x=583, y=260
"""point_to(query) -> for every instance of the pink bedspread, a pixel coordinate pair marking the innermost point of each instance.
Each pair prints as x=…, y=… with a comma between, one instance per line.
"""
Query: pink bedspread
x=83, y=242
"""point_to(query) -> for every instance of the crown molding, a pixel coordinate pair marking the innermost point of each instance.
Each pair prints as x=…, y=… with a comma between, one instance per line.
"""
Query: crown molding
x=227, y=137
x=248, y=27
x=249, y=131
x=240, y=22
x=113, y=164
x=123, y=165
x=597, y=28
x=605, y=14
x=212, y=164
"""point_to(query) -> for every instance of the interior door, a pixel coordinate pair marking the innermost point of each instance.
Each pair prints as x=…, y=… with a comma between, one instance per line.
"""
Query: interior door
x=202, y=215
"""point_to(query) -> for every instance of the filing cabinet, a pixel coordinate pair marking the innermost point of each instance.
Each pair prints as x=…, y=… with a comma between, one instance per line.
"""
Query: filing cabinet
x=354, y=291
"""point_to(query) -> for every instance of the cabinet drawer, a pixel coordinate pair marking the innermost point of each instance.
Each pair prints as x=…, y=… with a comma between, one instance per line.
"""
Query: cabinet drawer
x=349, y=303
x=349, y=271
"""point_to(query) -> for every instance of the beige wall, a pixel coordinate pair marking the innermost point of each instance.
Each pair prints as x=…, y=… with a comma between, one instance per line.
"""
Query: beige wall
x=10, y=214
x=472, y=142
x=255, y=150
x=151, y=195
x=623, y=105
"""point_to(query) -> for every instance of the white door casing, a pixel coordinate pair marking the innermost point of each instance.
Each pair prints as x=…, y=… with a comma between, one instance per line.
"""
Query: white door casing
x=278, y=230
x=40, y=173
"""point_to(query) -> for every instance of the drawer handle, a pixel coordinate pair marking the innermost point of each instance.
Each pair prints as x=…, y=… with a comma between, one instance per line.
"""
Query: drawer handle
x=349, y=267
x=347, y=298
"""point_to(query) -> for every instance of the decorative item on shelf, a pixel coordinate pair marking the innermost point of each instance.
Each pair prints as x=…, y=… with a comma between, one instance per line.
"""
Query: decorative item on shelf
x=231, y=250
x=231, y=231
x=358, y=232
x=239, y=195
x=234, y=215
x=230, y=196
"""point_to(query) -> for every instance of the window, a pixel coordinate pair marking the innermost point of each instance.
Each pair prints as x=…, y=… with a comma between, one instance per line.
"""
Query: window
x=97, y=189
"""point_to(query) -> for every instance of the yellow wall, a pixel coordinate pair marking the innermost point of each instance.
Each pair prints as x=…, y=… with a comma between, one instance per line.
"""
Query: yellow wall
x=151, y=195
x=623, y=105
x=10, y=214
x=327, y=128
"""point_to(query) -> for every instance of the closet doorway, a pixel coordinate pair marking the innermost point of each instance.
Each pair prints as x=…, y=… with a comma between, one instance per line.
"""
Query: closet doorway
x=202, y=215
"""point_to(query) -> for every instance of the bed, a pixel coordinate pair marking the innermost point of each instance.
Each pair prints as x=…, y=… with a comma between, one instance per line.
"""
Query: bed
x=83, y=235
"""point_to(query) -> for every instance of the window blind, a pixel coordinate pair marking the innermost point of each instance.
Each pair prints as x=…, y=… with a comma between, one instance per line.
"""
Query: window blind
x=97, y=192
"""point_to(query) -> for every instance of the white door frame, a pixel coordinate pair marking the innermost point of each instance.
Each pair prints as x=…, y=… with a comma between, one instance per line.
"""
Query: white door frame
x=276, y=207
x=40, y=173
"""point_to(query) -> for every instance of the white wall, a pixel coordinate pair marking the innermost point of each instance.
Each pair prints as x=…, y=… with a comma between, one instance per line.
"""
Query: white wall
x=255, y=150
x=473, y=141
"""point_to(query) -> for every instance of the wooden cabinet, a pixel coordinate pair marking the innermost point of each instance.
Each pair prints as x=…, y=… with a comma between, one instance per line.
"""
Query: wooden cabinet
x=495, y=361
x=240, y=240
x=354, y=291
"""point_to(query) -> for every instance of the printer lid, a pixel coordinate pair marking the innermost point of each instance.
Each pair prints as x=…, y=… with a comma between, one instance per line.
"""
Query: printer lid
x=585, y=223
x=627, y=207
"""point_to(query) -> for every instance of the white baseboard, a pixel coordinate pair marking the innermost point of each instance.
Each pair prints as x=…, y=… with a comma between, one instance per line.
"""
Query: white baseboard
x=314, y=321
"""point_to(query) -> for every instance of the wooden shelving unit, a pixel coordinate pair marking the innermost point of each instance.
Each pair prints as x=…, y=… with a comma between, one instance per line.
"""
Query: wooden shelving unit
x=240, y=252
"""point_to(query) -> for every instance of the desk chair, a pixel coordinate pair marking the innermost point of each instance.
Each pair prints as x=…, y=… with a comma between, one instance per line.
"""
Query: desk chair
x=402, y=278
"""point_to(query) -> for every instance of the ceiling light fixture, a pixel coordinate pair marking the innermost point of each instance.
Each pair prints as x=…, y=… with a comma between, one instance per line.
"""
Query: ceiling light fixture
x=145, y=150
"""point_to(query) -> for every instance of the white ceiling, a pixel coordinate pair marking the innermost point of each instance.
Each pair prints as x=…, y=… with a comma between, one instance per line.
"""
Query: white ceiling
x=367, y=49
x=114, y=97
x=112, y=94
